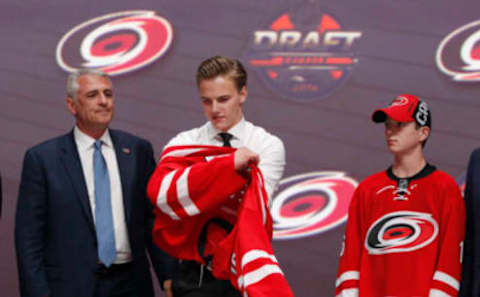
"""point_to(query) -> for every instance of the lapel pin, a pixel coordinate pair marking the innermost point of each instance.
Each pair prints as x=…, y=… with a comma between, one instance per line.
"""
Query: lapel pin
x=126, y=150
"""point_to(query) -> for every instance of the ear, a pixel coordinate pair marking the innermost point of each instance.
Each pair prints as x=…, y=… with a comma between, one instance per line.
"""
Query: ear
x=71, y=106
x=243, y=94
x=424, y=133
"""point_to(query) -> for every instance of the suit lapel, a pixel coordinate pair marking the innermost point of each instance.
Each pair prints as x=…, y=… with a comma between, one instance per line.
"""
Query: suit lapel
x=71, y=161
x=125, y=159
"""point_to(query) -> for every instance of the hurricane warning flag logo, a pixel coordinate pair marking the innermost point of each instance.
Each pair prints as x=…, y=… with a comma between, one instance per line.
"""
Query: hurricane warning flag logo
x=115, y=43
x=458, y=55
x=311, y=203
x=304, y=54
x=401, y=231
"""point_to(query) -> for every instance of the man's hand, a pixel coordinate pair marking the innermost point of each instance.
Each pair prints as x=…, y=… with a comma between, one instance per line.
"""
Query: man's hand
x=167, y=288
x=242, y=157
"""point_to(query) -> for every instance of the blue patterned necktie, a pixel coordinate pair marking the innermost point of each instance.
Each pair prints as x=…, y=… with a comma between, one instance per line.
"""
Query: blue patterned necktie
x=103, y=208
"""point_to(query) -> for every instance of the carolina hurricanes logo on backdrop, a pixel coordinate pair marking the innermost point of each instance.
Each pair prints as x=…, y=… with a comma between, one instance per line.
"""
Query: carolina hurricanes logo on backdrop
x=311, y=203
x=115, y=43
x=401, y=231
x=458, y=55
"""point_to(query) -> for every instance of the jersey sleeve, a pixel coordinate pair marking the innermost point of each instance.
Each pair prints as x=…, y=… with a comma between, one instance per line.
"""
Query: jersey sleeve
x=446, y=278
x=348, y=275
x=181, y=189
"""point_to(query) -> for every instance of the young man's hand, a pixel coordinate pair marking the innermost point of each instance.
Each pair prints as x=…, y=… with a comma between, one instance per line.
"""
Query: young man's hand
x=242, y=157
x=167, y=287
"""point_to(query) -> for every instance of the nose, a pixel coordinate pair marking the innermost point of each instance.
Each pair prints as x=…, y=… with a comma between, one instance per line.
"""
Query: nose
x=103, y=99
x=388, y=129
x=215, y=106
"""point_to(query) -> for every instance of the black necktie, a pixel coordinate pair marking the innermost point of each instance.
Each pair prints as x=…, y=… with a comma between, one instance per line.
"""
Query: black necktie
x=226, y=138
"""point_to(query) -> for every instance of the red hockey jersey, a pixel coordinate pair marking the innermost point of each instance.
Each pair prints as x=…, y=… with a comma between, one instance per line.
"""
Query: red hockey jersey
x=403, y=237
x=193, y=185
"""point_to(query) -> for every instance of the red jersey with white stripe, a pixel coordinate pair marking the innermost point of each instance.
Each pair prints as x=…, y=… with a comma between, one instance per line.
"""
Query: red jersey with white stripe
x=403, y=237
x=195, y=185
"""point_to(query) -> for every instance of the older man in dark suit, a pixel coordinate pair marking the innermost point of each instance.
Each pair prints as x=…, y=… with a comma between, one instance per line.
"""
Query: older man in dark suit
x=83, y=222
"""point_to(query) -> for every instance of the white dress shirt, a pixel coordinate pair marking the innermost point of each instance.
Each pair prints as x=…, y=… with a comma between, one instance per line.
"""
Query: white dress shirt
x=269, y=147
x=85, y=145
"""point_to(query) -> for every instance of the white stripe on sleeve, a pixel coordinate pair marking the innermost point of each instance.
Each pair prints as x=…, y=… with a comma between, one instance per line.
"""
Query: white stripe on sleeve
x=253, y=255
x=258, y=274
x=348, y=293
x=347, y=275
x=447, y=279
x=183, y=194
x=437, y=293
x=162, y=201
x=181, y=152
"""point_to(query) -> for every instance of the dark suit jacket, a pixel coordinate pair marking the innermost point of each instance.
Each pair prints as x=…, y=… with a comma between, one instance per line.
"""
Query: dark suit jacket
x=54, y=230
x=1, y=195
x=470, y=285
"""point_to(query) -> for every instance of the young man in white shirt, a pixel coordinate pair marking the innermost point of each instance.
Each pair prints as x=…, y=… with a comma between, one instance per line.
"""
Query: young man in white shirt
x=222, y=86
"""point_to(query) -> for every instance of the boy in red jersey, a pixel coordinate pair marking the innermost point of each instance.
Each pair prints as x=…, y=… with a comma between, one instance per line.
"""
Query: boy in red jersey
x=406, y=225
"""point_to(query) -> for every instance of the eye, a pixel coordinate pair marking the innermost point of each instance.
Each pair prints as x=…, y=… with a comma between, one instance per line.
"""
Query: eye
x=393, y=125
x=108, y=93
x=91, y=94
x=223, y=99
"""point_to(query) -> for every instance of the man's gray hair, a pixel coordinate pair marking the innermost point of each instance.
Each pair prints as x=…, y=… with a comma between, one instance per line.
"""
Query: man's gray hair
x=72, y=80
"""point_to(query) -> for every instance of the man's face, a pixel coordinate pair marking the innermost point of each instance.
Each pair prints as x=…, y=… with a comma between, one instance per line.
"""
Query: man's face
x=94, y=104
x=222, y=102
x=403, y=138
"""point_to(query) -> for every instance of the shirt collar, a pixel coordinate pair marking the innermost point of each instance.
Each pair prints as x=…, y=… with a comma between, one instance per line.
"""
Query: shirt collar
x=85, y=142
x=428, y=169
x=237, y=131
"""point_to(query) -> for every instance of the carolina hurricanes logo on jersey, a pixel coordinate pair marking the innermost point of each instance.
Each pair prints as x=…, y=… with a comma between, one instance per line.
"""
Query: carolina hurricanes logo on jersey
x=401, y=231
x=311, y=203
x=115, y=43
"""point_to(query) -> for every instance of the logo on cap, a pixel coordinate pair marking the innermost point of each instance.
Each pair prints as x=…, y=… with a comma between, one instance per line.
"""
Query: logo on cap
x=399, y=101
x=115, y=43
